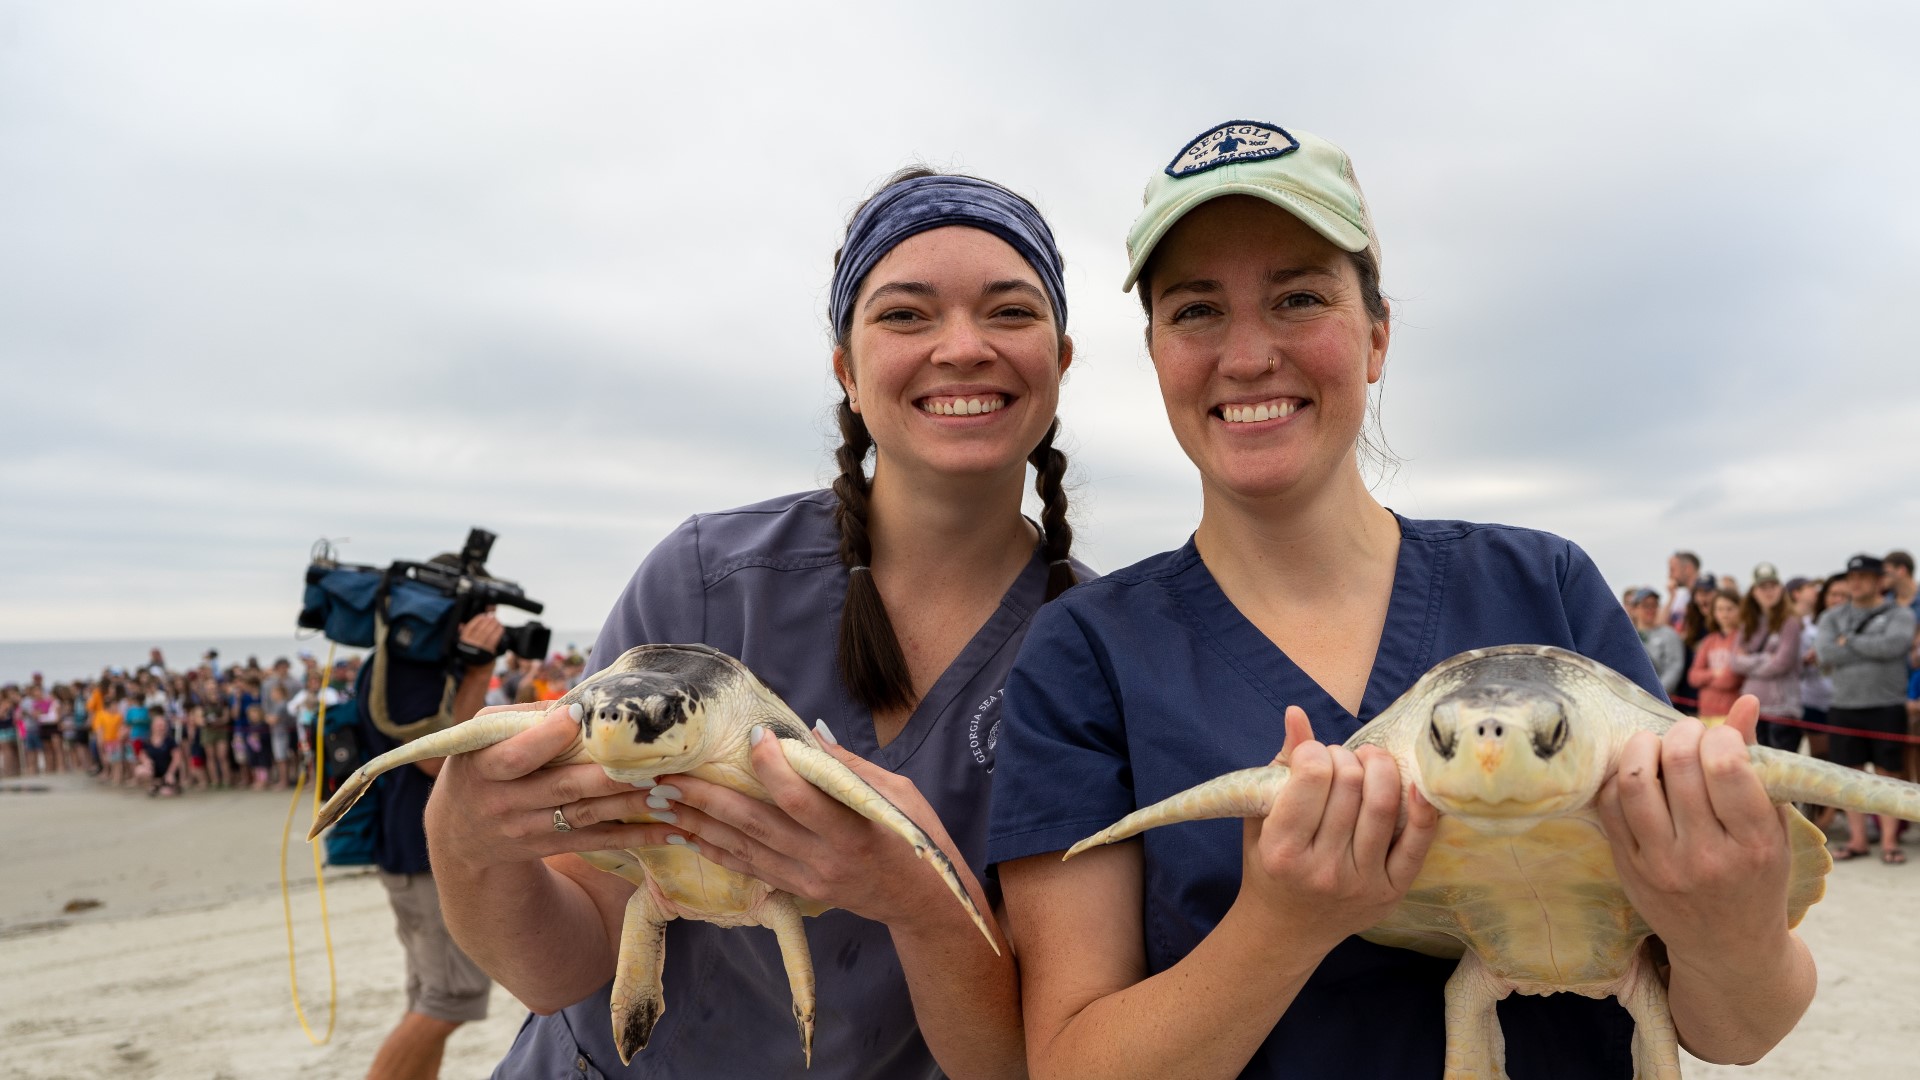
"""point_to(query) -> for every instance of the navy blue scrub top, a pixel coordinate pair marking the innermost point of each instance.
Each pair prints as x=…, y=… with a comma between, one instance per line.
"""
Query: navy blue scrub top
x=1148, y=681
x=765, y=583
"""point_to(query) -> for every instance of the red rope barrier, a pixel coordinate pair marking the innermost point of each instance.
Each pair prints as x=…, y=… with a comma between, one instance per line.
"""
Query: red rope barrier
x=1809, y=725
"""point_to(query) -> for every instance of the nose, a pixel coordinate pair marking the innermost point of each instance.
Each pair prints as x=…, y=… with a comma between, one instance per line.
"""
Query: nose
x=1249, y=351
x=962, y=344
x=1491, y=729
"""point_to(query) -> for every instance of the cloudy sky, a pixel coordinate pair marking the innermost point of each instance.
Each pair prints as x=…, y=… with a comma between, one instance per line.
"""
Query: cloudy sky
x=273, y=272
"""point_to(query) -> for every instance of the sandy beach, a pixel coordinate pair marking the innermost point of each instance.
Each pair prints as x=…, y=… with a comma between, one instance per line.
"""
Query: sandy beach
x=181, y=969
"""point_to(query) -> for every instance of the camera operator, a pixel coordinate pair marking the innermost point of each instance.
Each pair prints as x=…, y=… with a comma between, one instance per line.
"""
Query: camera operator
x=444, y=988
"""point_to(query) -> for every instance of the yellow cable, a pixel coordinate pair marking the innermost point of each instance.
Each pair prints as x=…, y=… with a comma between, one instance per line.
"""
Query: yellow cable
x=286, y=900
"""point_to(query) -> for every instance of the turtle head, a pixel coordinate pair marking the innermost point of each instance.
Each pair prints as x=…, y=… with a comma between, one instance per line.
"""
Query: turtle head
x=641, y=722
x=1503, y=756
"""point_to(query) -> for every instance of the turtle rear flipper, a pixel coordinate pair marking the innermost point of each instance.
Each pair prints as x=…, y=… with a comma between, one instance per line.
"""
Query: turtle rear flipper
x=637, y=998
x=781, y=914
x=1245, y=793
x=475, y=734
x=827, y=773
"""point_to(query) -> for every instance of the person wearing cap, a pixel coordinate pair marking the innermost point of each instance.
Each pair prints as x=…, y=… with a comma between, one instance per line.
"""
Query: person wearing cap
x=1863, y=647
x=1300, y=604
x=1767, y=657
x=892, y=603
x=1663, y=646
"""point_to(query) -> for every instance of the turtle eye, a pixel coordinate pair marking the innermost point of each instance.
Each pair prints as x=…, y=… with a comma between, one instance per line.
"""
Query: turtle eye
x=1554, y=739
x=1442, y=744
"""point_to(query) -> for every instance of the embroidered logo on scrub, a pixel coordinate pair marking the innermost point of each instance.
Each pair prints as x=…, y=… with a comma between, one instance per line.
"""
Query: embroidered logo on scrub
x=1241, y=140
x=983, y=729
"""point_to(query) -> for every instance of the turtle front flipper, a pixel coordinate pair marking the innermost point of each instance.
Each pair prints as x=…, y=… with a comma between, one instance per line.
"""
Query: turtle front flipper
x=637, y=998
x=1246, y=793
x=781, y=915
x=1796, y=778
x=475, y=734
x=827, y=773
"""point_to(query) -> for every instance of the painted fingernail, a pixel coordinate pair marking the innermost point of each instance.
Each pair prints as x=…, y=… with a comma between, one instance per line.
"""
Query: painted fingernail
x=676, y=838
x=656, y=802
x=667, y=816
x=663, y=791
x=821, y=729
x=645, y=781
x=574, y=710
x=759, y=733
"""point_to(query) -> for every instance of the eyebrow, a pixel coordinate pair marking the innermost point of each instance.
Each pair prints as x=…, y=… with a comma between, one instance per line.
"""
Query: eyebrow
x=921, y=288
x=1281, y=276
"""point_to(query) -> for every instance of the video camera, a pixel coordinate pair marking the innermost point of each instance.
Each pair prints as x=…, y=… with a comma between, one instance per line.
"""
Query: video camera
x=415, y=609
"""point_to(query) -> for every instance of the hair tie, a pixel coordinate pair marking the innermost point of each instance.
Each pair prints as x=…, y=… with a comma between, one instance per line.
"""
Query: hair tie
x=1061, y=562
x=857, y=569
x=931, y=202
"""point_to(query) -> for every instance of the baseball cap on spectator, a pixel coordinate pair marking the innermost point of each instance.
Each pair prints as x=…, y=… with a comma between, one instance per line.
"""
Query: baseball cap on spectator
x=1641, y=595
x=1766, y=574
x=1865, y=564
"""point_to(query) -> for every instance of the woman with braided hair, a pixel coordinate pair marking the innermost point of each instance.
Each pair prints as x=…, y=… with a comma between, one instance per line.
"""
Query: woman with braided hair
x=890, y=606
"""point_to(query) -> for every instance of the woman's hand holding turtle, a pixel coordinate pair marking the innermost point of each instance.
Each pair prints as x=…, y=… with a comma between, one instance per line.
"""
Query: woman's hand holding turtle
x=1701, y=849
x=497, y=805
x=1326, y=859
x=809, y=844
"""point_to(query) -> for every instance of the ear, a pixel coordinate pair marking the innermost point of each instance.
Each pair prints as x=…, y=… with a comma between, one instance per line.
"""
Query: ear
x=1377, y=351
x=843, y=374
x=1066, y=353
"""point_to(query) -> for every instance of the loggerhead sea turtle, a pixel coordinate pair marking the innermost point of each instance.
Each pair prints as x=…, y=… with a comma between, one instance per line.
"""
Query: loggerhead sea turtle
x=685, y=709
x=1511, y=745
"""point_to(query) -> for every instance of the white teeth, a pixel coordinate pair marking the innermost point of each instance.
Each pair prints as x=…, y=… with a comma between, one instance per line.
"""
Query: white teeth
x=963, y=406
x=1253, y=414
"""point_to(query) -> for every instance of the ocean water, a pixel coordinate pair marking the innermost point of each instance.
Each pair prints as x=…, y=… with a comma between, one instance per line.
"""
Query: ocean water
x=60, y=661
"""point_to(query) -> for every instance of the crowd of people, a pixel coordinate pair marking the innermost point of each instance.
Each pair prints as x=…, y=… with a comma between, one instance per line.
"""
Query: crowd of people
x=1834, y=660
x=211, y=726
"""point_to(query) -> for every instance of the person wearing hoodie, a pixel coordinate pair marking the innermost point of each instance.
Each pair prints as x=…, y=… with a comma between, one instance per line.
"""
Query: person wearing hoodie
x=1863, y=647
x=1767, y=653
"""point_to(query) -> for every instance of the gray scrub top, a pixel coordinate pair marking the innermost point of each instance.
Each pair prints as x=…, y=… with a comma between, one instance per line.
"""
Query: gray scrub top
x=765, y=583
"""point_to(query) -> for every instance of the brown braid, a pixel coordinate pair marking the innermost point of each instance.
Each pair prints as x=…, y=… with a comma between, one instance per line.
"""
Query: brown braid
x=871, y=663
x=1050, y=470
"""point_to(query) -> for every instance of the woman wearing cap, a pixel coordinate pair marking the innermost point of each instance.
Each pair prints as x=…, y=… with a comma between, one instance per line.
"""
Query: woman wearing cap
x=1768, y=656
x=1214, y=950
x=893, y=605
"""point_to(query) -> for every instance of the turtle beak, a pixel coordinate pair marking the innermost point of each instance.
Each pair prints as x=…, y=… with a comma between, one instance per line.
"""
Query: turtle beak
x=1489, y=753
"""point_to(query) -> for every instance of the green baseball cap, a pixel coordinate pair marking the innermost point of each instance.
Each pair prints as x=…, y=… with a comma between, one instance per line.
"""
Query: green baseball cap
x=1303, y=174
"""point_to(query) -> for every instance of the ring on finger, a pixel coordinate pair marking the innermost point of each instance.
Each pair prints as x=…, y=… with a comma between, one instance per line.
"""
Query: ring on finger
x=560, y=821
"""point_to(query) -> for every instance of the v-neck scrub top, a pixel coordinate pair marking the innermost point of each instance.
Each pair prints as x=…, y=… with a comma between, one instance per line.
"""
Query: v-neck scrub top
x=766, y=584
x=1149, y=681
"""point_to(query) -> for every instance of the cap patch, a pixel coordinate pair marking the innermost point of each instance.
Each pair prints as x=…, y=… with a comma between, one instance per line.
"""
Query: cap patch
x=1239, y=140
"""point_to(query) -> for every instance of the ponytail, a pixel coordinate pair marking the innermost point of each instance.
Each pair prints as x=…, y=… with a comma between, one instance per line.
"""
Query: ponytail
x=871, y=663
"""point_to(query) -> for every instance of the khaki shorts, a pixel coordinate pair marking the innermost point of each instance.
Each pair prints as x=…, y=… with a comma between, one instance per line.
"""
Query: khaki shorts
x=442, y=981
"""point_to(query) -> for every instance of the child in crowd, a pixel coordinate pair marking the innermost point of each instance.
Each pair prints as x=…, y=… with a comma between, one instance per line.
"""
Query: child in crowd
x=1712, y=673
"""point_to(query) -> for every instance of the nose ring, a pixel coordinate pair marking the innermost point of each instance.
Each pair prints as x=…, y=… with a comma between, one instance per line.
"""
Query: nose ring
x=1273, y=364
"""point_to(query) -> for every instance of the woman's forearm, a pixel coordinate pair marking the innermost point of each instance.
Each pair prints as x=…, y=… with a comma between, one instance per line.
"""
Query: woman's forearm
x=537, y=931
x=1732, y=1009
x=966, y=999
x=1202, y=1018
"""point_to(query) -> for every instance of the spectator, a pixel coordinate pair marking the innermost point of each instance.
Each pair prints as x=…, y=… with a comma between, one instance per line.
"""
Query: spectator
x=1695, y=625
x=1712, y=675
x=1863, y=646
x=1683, y=567
x=1816, y=690
x=1768, y=656
x=1900, y=581
x=1663, y=645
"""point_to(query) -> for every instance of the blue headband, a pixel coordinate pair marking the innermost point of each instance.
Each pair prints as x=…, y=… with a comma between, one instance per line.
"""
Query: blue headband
x=930, y=202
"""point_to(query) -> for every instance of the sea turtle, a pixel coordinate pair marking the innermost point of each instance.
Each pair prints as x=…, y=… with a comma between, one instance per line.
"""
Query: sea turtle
x=686, y=709
x=1511, y=745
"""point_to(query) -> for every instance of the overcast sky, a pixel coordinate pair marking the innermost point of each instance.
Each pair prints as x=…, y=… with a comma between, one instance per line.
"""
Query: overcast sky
x=272, y=272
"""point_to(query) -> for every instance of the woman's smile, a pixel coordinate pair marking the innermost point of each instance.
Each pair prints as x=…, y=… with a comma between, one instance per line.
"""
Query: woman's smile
x=1263, y=415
